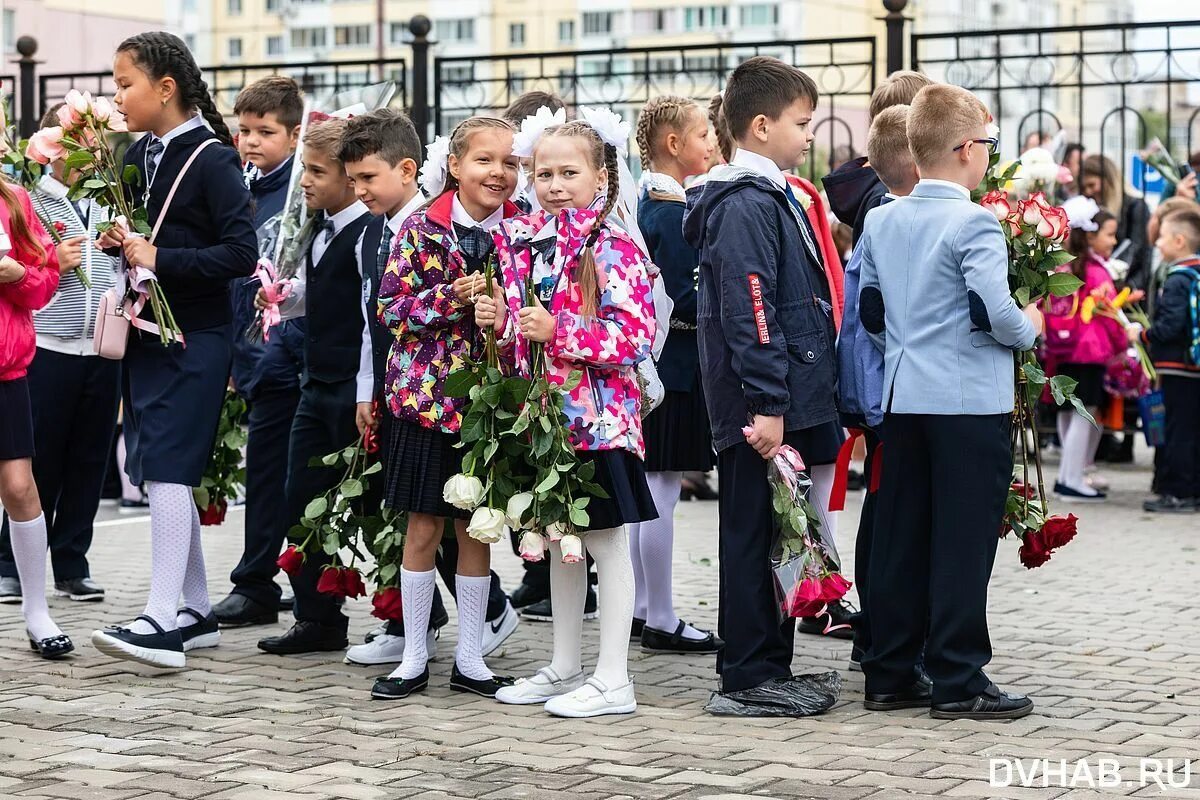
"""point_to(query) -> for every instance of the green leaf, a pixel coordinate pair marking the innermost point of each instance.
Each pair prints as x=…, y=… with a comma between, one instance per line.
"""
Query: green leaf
x=387, y=573
x=131, y=175
x=371, y=470
x=351, y=488
x=492, y=393
x=1021, y=295
x=331, y=544
x=578, y=516
x=548, y=483
x=459, y=383
x=1062, y=387
x=316, y=507
x=78, y=160
x=1082, y=410
x=1061, y=284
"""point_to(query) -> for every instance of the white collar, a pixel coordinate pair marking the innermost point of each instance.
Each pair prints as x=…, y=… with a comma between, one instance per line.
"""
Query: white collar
x=396, y=220
x=347, y=215
x=192, y=124
x=958, y=187
x=51, y=186
x=459, y=214
x=547, y=231
x=760, y=164
x=660, y=182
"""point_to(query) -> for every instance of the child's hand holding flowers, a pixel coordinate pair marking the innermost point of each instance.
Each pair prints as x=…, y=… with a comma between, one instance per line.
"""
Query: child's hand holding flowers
x=536, y=323
x=489, y=312
x=468, y=287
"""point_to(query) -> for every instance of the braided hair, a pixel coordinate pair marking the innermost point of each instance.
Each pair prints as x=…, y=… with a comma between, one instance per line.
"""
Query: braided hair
x=160, y=55
x=603, y=157
x=717, y=120
x=669, y=112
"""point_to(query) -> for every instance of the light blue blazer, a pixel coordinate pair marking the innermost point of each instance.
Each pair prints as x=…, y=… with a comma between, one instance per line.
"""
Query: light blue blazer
x=934, y=297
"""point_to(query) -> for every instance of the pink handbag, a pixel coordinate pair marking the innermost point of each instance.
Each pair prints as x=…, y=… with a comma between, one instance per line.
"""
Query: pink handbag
x=115, y=315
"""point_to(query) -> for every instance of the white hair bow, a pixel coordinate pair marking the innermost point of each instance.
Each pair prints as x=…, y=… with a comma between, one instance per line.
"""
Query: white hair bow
x=432, y=176
x=1081, y=212
x=532, y=129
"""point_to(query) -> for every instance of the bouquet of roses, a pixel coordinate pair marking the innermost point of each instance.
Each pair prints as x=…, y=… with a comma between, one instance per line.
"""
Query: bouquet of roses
x=1038, y=534
x=1124, y=309
x=225, y=476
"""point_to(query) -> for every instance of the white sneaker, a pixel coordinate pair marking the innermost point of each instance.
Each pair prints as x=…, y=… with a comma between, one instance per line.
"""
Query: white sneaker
x=544, y=685
x=374, y=632
x=494, y=633
x=387, y=649
x=593, y=699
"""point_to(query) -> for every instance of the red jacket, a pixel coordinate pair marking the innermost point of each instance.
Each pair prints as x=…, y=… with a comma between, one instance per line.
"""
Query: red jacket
x=818, y=215
x=19, y=300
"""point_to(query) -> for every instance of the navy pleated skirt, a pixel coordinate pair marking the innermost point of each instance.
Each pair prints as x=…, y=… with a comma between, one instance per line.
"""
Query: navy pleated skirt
x=420, y=461
x=172, y=404
x=16, y=420
x=623, y=477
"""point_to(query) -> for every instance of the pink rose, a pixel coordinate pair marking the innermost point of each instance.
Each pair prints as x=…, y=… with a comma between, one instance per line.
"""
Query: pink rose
x=102, y=109
x=997, y=203
x=533, y=546
x=1060, y=225
x=79, y=101
x=572, y=549
x=68, y=117
x=1031, y=212
x=46, y=146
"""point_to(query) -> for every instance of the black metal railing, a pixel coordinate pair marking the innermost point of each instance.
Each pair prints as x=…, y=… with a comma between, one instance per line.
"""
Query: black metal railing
x=624, y=79
x=316, y=78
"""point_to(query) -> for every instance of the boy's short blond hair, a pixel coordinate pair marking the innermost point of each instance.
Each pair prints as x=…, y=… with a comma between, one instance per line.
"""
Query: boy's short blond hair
x=941, y=118
x=325, y=137
x=887, y=146
x=897, y=89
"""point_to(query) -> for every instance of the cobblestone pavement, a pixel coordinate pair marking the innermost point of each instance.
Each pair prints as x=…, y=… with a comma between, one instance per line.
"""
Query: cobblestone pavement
x=1103, y=637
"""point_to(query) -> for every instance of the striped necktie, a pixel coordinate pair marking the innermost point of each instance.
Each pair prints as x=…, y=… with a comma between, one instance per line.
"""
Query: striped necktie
x=153, y=151
x=385, y=250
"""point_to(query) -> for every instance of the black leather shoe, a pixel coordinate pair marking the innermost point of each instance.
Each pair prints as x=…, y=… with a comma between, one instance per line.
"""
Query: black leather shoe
x=306, y=637
x=399, y=688
x=81, y=589
x=162, y=648
x=203, y=632
x=485, y=688
x=239, y=611
x=839, y=616
x=990, y=704
x=543, y=611
x=287, y=601
x=916, y=696
x=656, y=641
x=51, y=647
x=636, y=628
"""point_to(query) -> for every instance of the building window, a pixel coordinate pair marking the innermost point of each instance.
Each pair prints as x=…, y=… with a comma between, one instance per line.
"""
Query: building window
x=652, y=20
x=274, y=45
x=352, y=36
x=759, y=15
x=454, y=30
x=516, y=82
x=705, y=18
x=663, y=66
x=516, y=34
x=597, y=23
x=566, y=31
x=189, y=39
x=400, y=34
x=235, y=8
x=235, y=47
x=10, y=30
x=274, y=6
x=566, y=80
x=308, y=38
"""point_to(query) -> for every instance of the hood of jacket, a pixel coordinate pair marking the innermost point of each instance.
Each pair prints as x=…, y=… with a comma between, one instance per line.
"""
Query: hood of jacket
x=722, y=182
x=849, y=187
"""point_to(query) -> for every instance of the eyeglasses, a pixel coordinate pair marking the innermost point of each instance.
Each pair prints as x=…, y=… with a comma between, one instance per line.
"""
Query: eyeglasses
x=991, y=142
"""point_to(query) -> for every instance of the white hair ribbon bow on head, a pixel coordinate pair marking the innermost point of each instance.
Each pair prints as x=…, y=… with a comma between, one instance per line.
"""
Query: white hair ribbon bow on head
x=1080, y=213
x=532, y=129
x=432, y=176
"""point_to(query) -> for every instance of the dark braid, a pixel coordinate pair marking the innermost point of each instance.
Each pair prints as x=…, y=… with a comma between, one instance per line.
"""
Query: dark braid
x=160, y=54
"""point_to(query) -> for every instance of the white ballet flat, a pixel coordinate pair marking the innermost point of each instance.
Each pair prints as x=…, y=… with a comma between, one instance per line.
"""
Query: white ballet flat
x=594, y=699
x=544, y=685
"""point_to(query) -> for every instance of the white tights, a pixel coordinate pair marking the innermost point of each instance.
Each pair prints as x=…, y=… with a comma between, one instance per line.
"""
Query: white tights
x=176, y=557
x=650, y=546
x=1079, y=439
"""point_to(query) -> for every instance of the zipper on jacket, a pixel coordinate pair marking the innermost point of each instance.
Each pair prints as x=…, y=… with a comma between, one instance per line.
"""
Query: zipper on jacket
x=596, y=403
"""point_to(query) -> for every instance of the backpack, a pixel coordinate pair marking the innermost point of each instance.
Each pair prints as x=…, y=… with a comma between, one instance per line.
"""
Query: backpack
x=1192, y=350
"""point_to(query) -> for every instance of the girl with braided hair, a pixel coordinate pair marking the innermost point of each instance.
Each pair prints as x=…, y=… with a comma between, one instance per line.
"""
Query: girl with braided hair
x=673, y=140
x=594, y=312
x=173, y=394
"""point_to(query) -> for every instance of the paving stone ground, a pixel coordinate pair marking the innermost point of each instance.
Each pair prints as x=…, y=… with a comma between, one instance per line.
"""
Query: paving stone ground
x=1103, y=637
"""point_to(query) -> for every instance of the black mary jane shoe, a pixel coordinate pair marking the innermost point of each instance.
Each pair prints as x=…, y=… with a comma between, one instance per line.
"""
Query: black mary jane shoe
x=204, y=632
x=656, y=641
x=484, y=688
x=399, y=688
x=51, y=647
x=918, y=695
x=162, y=648
x=636, y=628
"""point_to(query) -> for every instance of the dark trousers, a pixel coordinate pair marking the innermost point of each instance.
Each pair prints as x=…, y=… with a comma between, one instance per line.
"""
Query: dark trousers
x=941, y=499
x=75, y=401
x=863, y=541
x=270, y=427
x=1180, y=473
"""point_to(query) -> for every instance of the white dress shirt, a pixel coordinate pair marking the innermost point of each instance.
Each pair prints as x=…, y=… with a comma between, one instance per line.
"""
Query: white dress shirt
x=191, y=125
x=958, y=187
x=459, y=214
x=760, y=164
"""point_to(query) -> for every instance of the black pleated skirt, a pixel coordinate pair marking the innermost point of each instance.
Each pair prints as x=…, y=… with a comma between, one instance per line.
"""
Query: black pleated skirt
x=1090, y=390
x=16, y=420
x=678, y=436
x=623, y=477
x=420, y=461
x=819, y=444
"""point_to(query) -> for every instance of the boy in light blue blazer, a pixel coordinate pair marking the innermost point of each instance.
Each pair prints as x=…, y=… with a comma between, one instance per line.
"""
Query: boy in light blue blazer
x=934, y=297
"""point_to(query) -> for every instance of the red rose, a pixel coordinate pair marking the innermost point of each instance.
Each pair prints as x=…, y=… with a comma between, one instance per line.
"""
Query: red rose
x=1058, y=531
x=997, y=202
x=59, y=226
x=1060, y=226
x=834, y=587
x=330, y=582
x=805, y=599
x=1033, y=552
x=388, y=604
x=214, y=514
x=1023, y=490
x=352, y=583
x=291, y=561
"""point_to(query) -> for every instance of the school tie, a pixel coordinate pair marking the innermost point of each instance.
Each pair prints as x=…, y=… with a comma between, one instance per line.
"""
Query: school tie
x=476, y=243
x=328, y=229
x=802, y=222
x=153, y=151
x=385, y=250
x=545, y=247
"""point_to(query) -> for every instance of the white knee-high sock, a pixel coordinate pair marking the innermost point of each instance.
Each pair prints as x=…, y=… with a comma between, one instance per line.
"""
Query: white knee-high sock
x=1074, y=455
x=611, y=552
x=29, y=551
x=195, y=579
x=171, y=511
x=653, y=553
x=568, y=590
x=471, y=599
x=1061, y=422
x=639, y=576
x=1095, y=432
x=416, y=591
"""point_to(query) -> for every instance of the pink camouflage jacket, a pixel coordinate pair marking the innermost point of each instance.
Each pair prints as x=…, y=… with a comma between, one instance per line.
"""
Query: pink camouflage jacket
x=604, y=408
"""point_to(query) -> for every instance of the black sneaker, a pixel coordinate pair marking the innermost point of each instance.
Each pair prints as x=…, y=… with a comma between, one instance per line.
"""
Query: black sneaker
x=10, y=590
x=916, y=696
x=83, y=590
x=656, y=641
x=484, y=688
x=204, y=632
x=543, y=611
x=526, y=595
x=990, y=704
x=1170, y=504
x=399, y=688
x=636, y=628
x=162, y=649
x=839, y=620
x=131, y=506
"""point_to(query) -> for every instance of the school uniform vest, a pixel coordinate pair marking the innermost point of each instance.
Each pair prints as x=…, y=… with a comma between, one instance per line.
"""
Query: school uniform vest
x=381, y=337
x=333, y=301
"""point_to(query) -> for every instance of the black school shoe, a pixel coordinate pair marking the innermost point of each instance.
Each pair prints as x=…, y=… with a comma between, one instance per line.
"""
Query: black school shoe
x=163, y=649
x=484, y=688
x=306, y=637
x=51, y=647
x=239, y=611
x=990, y=704
x=636, y=628
x=656, y=641
x=544, y=611
x=84, y=590
x=399, y=688
x=919, y=695
x=204, y=632
x=1169, y=504
x=837, y=614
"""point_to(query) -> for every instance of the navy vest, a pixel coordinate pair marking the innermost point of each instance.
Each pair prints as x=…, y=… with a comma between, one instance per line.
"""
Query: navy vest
x=333, y=308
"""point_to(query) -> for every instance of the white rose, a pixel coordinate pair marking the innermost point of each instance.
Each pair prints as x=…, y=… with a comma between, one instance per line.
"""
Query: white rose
x=533, y=546
x=80, y=101
x=572, y=549
x=103, y=109
x=463, y=491
x=518, y=504
x=487, y=525
x=556, y=531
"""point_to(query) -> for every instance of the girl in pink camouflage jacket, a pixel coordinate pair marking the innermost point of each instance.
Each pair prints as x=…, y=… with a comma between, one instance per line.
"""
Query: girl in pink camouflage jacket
x=594, y=312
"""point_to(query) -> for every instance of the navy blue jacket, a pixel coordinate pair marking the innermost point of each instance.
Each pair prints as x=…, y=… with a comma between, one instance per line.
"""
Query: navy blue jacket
x=1170, y=331
x=207, y=238
x=766, y=330
x=661, y=223
x=853, y=189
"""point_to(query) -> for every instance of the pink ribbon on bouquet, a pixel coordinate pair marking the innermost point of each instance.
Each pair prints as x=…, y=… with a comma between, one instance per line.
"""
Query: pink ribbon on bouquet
x=275, y=291
x=140, y=280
